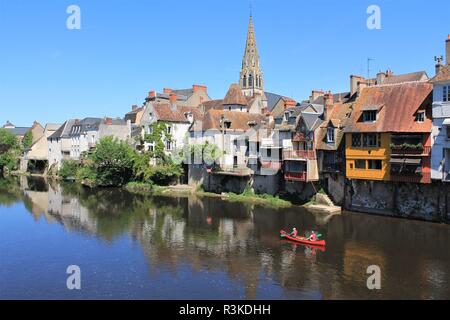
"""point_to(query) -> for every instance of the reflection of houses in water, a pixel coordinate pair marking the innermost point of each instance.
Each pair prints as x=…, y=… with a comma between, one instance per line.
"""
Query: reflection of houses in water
x=54, y=206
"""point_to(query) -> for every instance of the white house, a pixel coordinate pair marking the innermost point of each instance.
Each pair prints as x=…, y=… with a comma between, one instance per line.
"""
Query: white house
x=440, y=153
x=178, y=120
x=76, y=137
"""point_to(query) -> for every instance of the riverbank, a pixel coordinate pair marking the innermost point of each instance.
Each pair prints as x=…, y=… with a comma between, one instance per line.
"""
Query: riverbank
x=185, y=190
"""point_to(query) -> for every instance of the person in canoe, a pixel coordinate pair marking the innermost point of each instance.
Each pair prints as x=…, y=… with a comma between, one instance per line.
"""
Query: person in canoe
x=313, y=236
x=294, y=233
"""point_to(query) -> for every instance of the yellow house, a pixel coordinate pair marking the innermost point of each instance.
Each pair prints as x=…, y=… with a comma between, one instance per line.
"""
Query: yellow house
x=384, y=122
x=367, y=156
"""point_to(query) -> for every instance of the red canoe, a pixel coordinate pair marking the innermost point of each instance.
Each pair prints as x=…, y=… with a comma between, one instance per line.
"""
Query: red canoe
x=285, y=235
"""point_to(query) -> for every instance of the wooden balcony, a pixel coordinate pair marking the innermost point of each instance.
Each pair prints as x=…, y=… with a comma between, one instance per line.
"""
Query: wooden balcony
x=399, y=150
x=299, y=154
x=411, y=177
x=295, y=176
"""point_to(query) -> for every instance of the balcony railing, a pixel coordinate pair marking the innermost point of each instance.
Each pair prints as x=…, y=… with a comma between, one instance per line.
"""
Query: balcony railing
x=401, y=150
x=295, y=176
x=299, y=154
x=411, y=177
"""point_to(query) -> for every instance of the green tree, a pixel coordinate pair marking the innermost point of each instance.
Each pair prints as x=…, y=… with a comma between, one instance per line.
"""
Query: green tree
x=158, y=136
x=69, y=169
x=27, y=139
x=113, y=162
x=10, y=150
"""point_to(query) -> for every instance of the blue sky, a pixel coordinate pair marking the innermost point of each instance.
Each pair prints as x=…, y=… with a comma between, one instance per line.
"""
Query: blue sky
x=126, y=48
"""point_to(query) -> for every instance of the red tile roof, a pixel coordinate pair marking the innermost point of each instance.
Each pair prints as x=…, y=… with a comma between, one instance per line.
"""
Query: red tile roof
x=400, y=104
x=443, y=75
x=239, y=121
x=167, y=112
x=235, y=96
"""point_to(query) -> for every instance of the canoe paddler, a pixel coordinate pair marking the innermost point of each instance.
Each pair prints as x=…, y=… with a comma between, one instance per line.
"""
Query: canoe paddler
x=294, y=232
x=313, y=236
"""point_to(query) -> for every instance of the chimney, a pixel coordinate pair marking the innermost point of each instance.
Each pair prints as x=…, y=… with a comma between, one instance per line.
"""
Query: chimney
x=439, y=64
x=108, y=121
x=447, y=50
x=173, y=98
x=315, y=94
x=355, y=83
x=197, y=87
x=134, y=107
x=328, y=101
x=151, y=96
x=380, y=77
x=167, y=90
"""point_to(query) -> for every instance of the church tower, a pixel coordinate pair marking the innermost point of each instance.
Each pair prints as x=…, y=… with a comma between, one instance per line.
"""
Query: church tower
x=251, y=77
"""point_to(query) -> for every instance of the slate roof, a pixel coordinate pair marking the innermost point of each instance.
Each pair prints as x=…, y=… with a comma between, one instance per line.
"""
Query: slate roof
x=18, y=131
x=400, y=105
x=343, y=97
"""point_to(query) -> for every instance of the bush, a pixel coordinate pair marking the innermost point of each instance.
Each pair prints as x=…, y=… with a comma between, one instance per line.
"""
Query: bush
x=113, y=162
x=69, y=169
x=10, y=150
x=162, y=174
x=86, y=173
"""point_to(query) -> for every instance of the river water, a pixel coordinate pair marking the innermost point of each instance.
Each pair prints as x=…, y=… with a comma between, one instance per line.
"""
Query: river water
x=131, y=246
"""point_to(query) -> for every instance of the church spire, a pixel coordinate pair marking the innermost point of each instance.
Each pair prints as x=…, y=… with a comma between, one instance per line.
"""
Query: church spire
x=251, y=76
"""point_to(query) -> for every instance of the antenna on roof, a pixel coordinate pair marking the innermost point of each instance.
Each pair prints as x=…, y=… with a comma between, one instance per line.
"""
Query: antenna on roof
x=368, y=70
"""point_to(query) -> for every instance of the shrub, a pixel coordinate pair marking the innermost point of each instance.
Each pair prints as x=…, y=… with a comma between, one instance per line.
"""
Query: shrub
x=69, y=169
x=113, y=161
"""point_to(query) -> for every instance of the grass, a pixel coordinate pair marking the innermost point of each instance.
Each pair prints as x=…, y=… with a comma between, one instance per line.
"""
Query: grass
x=264, y=199
x=139, y=187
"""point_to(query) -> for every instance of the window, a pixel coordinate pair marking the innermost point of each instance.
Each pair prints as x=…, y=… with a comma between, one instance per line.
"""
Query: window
x=448, y=132
x=375, y=164
x=330, y=134
x=250, y=80
x=244, y=81
x=168, y=145
x=169, y=129
x=269, y=153
x=420, y=116
x=446, y=94
x=360, y=164
x=356, y=140
x=286, y=116
x=370, y=140
x=370, y=116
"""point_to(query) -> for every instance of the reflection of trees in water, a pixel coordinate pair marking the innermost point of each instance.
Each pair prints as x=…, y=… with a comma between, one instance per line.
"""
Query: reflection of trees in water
x=215, y=235
x=10, y=192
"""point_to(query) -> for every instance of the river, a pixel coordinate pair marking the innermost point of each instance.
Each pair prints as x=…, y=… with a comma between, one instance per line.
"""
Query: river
x=130, y=246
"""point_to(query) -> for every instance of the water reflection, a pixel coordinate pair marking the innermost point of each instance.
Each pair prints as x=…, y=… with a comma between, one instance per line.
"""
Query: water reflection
x=212, y=236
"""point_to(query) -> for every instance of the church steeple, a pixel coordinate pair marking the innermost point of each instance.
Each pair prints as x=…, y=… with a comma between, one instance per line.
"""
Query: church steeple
x=251, y=77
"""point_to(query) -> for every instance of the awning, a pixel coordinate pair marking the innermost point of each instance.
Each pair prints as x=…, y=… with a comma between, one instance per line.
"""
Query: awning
x=446, y=122
x=407, y=161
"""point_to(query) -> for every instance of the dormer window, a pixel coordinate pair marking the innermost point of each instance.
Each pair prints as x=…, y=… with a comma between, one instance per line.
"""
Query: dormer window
x=420, y=116
x=446, y=94
x=370, y=116
x=286, y=116
x=330, y=134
